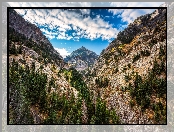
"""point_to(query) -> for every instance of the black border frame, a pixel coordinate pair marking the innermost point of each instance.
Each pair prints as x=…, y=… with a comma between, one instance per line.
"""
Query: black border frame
x=8, y=8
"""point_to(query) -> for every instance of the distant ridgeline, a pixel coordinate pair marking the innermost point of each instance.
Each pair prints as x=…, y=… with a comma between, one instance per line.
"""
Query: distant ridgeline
x=81, y=58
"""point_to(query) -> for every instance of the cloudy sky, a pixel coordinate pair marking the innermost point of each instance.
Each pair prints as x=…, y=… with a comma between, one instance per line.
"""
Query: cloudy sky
x=69, y=29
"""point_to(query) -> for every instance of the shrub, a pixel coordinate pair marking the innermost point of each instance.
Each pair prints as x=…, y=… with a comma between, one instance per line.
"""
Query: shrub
x=102, y=82
x=116, y=70
x=131, y=103
x=136, y=57
x=162, y=51
x=145, y=53
x=158, y=68
x=127, y=77
x=124, y=68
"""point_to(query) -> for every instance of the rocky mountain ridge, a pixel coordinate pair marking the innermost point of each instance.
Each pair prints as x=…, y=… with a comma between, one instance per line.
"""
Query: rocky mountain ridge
x=137, y=52
x=31, y=32
x=32, y=55
x=81, y=58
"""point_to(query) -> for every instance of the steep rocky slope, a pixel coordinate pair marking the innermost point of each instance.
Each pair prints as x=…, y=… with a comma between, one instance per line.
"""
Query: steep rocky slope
x=33, y=73
x=32, y=33
x=130, y=74
x=81, y=58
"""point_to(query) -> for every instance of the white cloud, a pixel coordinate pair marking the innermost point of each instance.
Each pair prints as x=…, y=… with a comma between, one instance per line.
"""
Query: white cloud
x=47, y=32
x=129, y=15
x=61, y=36
x=115, y=11
x=21, y=12
x=49, y=36
x=63, y=52
x=65, y=20
x=39, y=13
x=85, y=11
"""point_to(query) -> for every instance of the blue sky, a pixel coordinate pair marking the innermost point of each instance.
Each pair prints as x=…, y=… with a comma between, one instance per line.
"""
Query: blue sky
x=94, y=29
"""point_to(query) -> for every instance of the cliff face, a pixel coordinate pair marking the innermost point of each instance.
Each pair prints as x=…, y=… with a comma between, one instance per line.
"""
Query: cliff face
x=130, y=75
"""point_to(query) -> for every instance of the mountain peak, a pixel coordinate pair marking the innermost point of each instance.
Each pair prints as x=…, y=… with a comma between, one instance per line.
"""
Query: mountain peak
x=83, y=48
x=81, y=58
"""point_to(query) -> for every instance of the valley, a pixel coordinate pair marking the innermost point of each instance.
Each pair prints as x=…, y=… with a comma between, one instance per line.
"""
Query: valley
x=125, y=84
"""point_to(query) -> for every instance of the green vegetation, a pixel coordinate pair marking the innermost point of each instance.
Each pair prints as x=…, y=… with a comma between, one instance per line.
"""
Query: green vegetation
x=160, y=112
x=129, y=65
x=124, y=68
x=13, y=50
x=125, y=38
x=102, y=82
x=103, y=115
x=29, y=89
x=96, y=113
x=63, y=110
x=159, y=68
x=26, y=88
x=127, y=77
x=136, y=57
x=43, y=49
x=162, y=51
x=143, y=89
x=116, y=70
x=132, y=104
x=145, y=53
x=34, y=95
